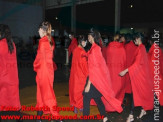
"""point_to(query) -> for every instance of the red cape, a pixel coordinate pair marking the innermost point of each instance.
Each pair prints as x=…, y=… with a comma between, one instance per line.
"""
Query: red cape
x=116, y=62
x=100, y=77
x=9, y=82
x=43, y=65
x=153, y=56
x=104, y=53
x=73, y=45
x=141, y=80
x=130, y=49
x=78, y=76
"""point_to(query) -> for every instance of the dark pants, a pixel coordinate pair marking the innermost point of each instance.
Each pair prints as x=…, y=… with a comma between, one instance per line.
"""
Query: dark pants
x=132, y=105
x=92, y=94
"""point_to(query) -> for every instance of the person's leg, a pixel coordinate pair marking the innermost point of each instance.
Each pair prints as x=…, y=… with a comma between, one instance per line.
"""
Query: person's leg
x=100, y=106
x=18, y=113
x=39, y=102
x=132, y=107
x=131, y=115
x=86, y=104
x=39, y=113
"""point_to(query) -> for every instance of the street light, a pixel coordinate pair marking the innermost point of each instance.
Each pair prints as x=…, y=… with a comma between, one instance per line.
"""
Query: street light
x=131, y=6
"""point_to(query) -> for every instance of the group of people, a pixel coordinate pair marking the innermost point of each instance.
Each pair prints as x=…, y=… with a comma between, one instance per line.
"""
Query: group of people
x=103, y=74
x=99, y=75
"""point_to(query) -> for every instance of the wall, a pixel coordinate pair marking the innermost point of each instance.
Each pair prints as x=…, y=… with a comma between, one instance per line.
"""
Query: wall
x=23, y=19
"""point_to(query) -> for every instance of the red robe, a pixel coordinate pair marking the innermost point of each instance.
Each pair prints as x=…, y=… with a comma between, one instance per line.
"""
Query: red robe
x=9, y=82
x=141, y=80
x=100, y=77
x=104, y=53
x=78, y=76
x=73, y=45
x=116, y=62
x=153, y=56
x=130, y=49
x=43, y=65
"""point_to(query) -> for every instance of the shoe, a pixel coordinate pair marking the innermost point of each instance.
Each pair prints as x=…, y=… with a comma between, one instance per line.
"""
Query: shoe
x=75, y=110
x=60, y=121
x=130, y=118
x=143, y=112
x=39, y=113
x=38, y=120
x=81, y=110
x=105, y=119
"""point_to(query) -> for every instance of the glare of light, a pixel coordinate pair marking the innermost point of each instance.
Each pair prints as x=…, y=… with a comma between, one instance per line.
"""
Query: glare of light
x=56, y=18
x=53, y=30
x=131, y=6
x=132, y=28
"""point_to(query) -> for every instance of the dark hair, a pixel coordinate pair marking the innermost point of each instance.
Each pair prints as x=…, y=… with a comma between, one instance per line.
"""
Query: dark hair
x=128, y=37
x=81, y=38
x=6, y=33
x=96, y=35
x=46, y=26
x=139, y=35
x=72, y=34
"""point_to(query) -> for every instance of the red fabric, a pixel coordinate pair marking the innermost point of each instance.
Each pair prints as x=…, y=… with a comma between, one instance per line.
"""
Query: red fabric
x=78, y=76
x=73, y=45
x=100, y=77
x=9, y=82
x=130, y=49
x=43, y=65
x=141, y=80
x=154, y=53
x=104, y=52
x=116, y=62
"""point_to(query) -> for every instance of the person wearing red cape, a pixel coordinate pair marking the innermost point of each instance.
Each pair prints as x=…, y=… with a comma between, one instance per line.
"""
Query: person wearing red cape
x=130, y=49
x=141, y=80
x=44, y=67
x=72, y=46
x=98, y=85
x=78, y=75
x=9, y=82
x=155, y=56
x=116, y=62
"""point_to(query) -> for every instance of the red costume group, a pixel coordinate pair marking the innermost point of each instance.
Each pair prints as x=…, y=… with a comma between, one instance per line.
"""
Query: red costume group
x=103, y=74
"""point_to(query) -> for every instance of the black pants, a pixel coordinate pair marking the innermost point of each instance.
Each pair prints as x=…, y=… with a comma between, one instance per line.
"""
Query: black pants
x=132, y=105
x=92, y=94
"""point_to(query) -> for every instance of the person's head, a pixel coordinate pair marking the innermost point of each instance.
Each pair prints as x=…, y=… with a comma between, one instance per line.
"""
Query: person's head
x=71, y=35
x=116, y=37
x=82, y=41
x=122, y=38
x=45, y=30
x=94, y=36
x=138, y=38
x=128, y=37
x=5, y=33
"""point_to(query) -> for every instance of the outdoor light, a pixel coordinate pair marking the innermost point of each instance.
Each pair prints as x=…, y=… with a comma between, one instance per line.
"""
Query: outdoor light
x=56, y=18
x=132, y=28
x=131, y=6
